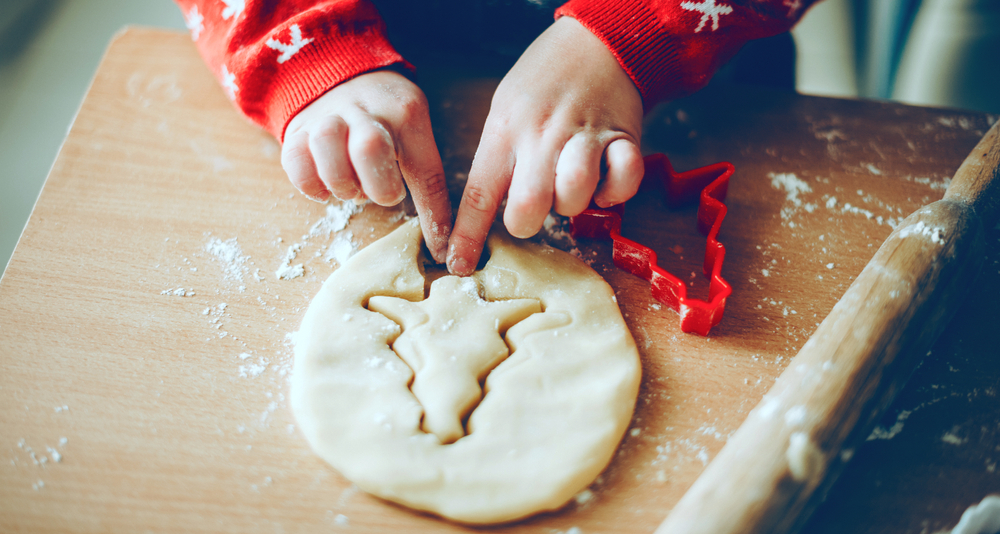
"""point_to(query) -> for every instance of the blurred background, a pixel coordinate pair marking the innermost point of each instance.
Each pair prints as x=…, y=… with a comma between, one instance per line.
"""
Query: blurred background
x=943, y=53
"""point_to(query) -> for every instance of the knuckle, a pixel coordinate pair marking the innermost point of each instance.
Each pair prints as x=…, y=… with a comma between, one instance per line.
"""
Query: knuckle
x=435, y=186
x=294, y=158
x=524, y=208
x=574, y=178
x=479, y=199
x=330, y=130
x=413, y=108
x=371, y=144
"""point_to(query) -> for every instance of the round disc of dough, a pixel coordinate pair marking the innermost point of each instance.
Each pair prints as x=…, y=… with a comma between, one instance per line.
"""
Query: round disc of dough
x=553, y=412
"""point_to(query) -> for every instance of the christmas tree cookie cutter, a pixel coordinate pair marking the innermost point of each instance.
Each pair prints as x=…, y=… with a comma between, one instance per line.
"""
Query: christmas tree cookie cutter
x=709, y=184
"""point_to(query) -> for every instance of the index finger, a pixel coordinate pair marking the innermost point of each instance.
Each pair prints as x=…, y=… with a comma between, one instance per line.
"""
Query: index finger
x=423, y=173
x=489, y=179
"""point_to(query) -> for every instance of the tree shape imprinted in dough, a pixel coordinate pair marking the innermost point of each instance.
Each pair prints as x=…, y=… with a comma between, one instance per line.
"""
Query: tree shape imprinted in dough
x=451, y=340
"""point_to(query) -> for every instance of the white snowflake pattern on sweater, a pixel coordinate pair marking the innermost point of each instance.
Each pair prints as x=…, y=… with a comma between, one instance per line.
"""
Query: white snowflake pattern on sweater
x=229, y=83
x=708, y=10
x=289, y=49
x=194, y=22
x=234, y=8
x=793, y=7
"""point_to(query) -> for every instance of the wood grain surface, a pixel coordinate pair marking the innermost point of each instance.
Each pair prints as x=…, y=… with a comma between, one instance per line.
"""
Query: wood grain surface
x=162, y=413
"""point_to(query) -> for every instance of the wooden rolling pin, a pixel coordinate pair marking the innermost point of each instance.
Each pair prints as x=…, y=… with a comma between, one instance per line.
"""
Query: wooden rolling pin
x=778, y=465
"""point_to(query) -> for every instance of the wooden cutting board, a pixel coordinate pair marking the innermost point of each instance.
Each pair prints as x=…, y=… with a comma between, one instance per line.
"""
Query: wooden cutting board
x=127, y=407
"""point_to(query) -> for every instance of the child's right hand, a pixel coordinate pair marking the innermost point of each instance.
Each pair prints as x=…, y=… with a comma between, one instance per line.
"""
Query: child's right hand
x=564, y=126
x=347, y=143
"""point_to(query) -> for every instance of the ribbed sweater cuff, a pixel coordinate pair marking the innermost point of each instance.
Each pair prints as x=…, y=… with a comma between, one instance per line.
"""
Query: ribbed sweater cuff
x=323, y=65
x=637, y=38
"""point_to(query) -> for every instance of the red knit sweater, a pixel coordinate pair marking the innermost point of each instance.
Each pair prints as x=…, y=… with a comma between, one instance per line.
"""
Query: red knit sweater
x=274, y=58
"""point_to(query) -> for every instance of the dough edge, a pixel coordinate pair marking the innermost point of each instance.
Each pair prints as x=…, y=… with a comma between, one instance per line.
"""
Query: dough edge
x=554, y=415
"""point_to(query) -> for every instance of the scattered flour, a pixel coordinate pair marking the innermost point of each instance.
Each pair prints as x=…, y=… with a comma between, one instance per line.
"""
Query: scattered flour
x=951, y=438
x=936, y=185
x=230, y=255
x=584, y=497
x=936, y=234
x=882, y=433
x=336, y=219
x=253, y=370
x=287, y=271
x=793, y=187
x=342, y=248
x=179, y=292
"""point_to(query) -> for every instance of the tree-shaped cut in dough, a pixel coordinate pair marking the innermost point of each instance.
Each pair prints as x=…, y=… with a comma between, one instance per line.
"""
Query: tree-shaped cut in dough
x=451, y=340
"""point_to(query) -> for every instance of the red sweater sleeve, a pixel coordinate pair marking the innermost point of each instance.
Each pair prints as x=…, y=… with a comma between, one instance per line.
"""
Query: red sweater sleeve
x=671, y=48
x=275, y=57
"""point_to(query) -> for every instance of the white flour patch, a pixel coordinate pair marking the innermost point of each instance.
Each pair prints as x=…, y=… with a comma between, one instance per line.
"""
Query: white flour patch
x=342, y=248
x=936, y=185
x=936, y=234
x=793, y=187
x=953, y=439
x=255, y=369
x=832, y=203
x=287, y=271
x=40, y=459
x=685, y=450
x=230, y=255
x=179, y=292
x=336, y=219
x=880, y=432
x=791, y=184
x=848, y=208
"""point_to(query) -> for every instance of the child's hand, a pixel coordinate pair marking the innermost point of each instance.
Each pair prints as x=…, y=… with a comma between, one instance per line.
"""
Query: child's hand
x=564, y=111
x=348, y=141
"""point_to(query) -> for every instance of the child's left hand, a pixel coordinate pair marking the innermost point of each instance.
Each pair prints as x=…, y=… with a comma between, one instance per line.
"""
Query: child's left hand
x=564, y=111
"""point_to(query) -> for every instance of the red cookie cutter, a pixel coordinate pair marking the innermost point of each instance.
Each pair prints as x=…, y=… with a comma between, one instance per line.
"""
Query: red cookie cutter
x=713, y=182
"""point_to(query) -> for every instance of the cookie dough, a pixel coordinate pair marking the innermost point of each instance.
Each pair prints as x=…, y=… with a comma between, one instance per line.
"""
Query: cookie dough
x=561, y=378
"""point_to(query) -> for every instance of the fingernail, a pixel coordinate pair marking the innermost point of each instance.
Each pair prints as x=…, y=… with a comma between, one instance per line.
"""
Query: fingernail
x=460, y=266
x=402, y=195
x=605, y=203
x=322, y=197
